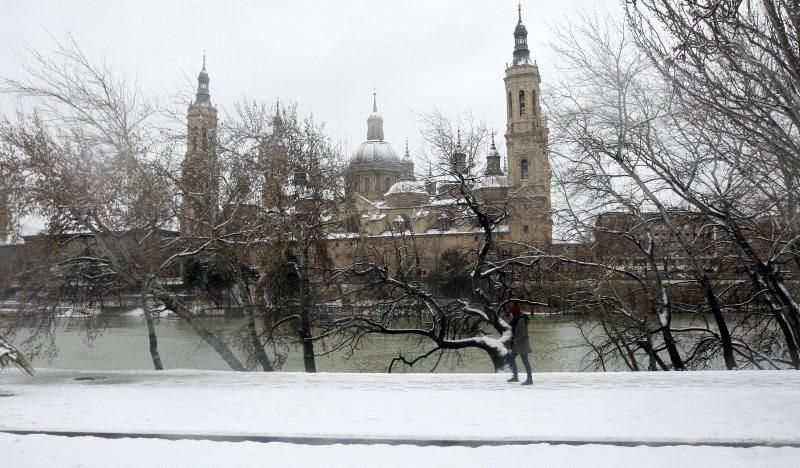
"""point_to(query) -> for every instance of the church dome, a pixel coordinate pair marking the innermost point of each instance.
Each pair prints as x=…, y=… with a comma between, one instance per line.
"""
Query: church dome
x=375, y=151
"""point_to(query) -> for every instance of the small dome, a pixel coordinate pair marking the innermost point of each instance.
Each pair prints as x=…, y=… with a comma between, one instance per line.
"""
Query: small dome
x=407, y=186
x=520, y=29
x=375, y=151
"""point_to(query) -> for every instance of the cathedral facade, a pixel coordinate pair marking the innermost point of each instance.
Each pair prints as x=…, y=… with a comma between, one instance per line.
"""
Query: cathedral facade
x=390, y=199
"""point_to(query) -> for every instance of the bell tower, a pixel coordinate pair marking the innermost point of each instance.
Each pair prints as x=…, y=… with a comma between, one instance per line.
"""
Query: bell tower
x=200, y=168
x=527, y=141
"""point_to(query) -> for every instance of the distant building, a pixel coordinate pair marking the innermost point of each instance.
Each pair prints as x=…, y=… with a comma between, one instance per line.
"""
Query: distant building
x=200, y=169
x=390, y=201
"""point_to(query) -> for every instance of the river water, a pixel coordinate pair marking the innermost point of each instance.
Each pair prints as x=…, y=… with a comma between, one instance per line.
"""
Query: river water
x=122, y=344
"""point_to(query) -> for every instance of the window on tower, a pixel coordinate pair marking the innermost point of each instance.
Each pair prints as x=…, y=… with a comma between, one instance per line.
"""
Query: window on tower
x=523, y=169
x=510, y=112
x=522, y=103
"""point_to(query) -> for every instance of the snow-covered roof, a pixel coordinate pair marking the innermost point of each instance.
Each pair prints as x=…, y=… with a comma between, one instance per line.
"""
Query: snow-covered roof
x=444, y=202
x=407, y=186
x=373, y=217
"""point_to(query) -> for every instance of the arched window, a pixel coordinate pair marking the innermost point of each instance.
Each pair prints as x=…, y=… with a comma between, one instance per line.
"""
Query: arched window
x=510, y=112
x=366, y=184
x=523, y=169
x=522, y=103
x=388, y=183
x=533, y=102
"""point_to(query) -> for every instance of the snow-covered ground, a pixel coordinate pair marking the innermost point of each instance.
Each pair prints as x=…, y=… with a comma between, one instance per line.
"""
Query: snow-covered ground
x=40, y=450
x=600, y=414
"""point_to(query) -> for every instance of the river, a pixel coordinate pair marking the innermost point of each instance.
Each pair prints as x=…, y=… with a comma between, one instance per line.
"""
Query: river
x=122, y=344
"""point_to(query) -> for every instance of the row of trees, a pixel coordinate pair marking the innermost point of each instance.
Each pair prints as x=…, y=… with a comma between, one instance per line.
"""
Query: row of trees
x=675, y=152
x=683, y=117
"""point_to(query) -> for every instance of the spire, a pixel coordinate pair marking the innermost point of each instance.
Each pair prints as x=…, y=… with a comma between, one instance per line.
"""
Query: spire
x=407, y=165
x=493, y=160
x=203, y=98
x=459, y=156
x=375, y=121
x=522, y=55
x=277, y=121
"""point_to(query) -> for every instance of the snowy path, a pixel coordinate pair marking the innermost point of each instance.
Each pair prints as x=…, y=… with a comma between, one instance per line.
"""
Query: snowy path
x=667, y=410
x=46, y=451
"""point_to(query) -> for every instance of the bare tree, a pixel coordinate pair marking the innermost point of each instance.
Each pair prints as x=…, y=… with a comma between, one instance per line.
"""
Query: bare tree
x=388, y=270
x=736, y=62
x=630, y=142
x=98, y=170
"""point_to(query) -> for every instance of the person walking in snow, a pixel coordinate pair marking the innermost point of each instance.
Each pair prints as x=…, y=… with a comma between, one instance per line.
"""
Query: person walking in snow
x=519, y=344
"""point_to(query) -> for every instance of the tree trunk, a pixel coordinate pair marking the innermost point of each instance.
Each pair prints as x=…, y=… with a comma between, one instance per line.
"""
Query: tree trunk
x=151, y=330
x=307, y=340
x=724, y=333
x=499, y=361
x=780, y=316
x=252, y=330
x=764, y=277
x=665, y=316
x=201, y=329
x=258, y=348
x=655, y=360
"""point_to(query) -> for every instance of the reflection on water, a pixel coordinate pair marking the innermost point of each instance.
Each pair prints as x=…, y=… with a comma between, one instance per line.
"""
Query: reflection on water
x=123, y=345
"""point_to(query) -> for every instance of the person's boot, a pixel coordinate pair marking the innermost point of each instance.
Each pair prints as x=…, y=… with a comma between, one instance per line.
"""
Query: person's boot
x=528, y=381
x=513, y=379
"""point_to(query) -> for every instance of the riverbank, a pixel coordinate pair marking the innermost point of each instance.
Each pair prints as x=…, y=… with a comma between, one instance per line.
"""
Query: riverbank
x=664, y=419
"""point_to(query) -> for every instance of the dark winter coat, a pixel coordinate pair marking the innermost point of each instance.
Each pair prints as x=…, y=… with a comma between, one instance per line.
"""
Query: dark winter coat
x=519, y=335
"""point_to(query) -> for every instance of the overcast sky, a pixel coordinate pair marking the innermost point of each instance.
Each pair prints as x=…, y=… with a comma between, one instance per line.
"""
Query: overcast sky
x=327, y=56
